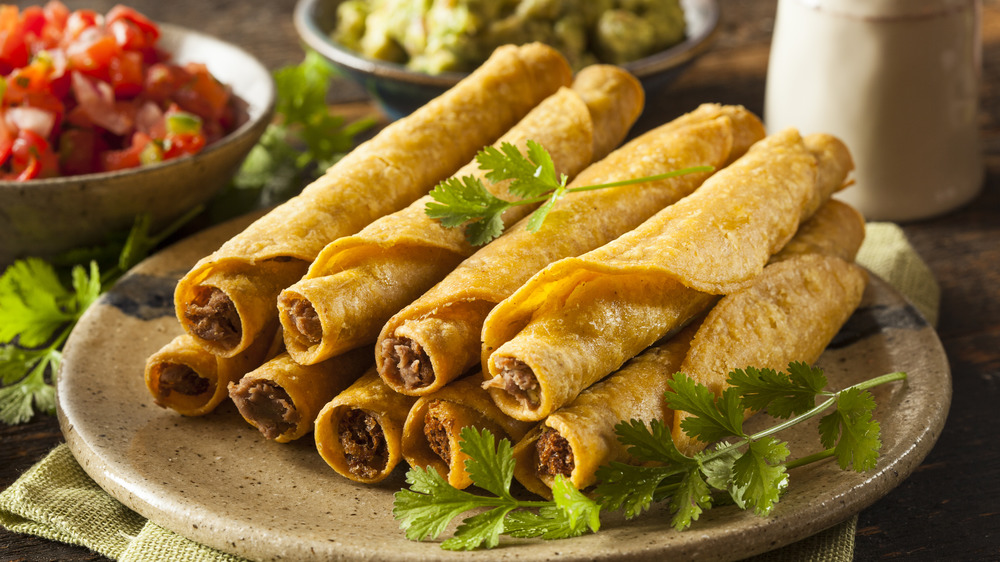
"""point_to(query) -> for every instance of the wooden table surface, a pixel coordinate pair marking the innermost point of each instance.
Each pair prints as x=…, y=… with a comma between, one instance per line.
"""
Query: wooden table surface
x=950, y=507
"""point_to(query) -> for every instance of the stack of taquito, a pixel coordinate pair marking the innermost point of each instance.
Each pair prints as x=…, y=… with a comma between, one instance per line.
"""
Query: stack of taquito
x=453, y=311
x=581, y=318
x=783, y=180
x=790, y=312
x=359, y=281
x=227, y=302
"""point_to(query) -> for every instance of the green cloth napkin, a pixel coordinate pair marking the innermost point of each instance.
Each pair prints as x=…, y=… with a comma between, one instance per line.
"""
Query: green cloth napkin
x=55, y=499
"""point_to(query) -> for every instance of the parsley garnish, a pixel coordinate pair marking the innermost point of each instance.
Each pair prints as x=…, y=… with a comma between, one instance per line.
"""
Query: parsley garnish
x=466, y=201
x=750, y=471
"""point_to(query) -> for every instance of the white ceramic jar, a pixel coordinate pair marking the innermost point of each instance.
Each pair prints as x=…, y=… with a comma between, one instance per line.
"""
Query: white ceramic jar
x=898, y=81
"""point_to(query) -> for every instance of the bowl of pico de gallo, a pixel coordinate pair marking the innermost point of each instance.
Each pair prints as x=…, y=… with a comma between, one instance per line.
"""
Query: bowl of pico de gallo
x=107, y=117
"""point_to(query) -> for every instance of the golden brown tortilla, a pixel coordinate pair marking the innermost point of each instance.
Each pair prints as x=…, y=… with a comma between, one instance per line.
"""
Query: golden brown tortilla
x=359, y=433
x=446, y=322
x=463, y=403
x=381, y=176
x=282, y=398
x=358, y=282
x=586, y=426
x=582, y=318
x=199, y=378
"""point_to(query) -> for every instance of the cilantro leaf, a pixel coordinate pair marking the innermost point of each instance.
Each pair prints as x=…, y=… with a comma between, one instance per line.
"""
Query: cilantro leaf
x=690, y=500
x=33, y=303
x=461, y=200
x=650, y=444
x=490, y=464
x=533, y=178
x=632, y=488
x=549, y=523
x=851, y=430
x=783, y=395
x=711, y=419
x=483, y=529
x=430, y=504
x=573, y=515
x=19, y=401
x=538, y=217
x=579, y=509
x=760, y=471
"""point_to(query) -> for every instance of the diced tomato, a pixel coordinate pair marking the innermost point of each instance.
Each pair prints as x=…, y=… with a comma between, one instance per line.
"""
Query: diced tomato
x=82, y=92
x=127, y=157
x=133, y=30
x=93, y=55
x=31, y=157
x=125, y=73
x=13, y=49
x=162, y=80
x=6, y=140
x=77, y=23
x=202, y=95
x=78, y=150
x=33, y=20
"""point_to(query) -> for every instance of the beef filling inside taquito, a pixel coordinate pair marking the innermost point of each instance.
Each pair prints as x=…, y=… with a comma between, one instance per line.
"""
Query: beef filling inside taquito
x=579, y=437
x=282, y=398
x=436, y=338
x=582, y=318
x=432, y=432
x=358, y=282
x=186, y=378
x=359, y=432
x=227, y=298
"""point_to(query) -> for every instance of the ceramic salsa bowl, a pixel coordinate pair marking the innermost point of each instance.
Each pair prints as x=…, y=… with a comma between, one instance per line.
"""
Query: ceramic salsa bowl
x=48, y=216
x=400, y=90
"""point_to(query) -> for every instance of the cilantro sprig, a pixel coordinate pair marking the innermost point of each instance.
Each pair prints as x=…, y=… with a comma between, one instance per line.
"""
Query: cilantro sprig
x=430, y=504
x=751, y=470
x=38, y=310
x=748, y=470
x=465, y=200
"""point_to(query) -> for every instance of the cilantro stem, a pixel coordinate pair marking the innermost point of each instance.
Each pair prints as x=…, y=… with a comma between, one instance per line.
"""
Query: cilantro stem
x=633, y=181
x=818, y=409
x=809, y=459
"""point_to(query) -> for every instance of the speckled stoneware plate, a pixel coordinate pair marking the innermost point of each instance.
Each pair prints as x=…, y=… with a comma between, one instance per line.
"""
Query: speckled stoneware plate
x=216, y=480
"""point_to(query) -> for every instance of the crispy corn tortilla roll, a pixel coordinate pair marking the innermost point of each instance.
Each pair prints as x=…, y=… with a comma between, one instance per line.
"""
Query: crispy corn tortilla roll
x=789, y=313
x=579, y=437
x=383, y=175
x=436, y=339
x=431, y=434
x=282, y=398
x=359, y=433
x=582, y=318
x=576, y=439
x=358, y=282
x=186, y=378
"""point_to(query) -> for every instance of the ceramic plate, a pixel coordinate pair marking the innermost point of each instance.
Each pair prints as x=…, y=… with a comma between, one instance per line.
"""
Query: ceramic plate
x=215, y=480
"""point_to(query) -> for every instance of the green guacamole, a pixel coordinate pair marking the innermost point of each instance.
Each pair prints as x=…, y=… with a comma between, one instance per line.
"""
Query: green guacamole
x=435, y=36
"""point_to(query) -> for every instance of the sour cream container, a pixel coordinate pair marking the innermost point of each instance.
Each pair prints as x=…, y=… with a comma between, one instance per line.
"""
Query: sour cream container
x=898, y=81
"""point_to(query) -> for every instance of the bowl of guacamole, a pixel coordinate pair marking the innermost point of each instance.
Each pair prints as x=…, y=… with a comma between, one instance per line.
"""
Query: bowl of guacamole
x=406, y=52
